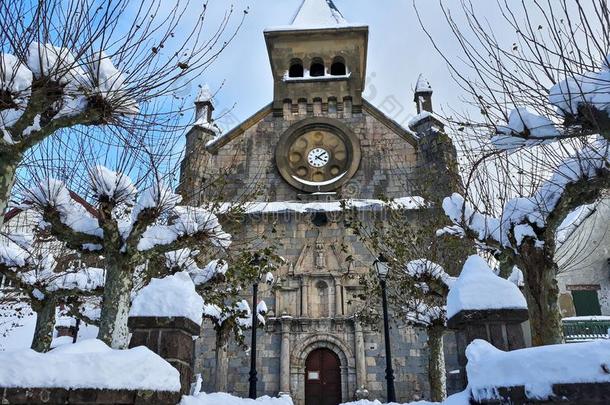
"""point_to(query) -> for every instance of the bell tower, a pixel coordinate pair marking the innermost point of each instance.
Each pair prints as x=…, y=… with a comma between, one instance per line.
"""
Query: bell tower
x=319, y=57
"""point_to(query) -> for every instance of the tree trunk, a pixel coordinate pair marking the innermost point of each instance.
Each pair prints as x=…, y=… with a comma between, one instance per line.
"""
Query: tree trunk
x=436, y=364
x=45, y=322
x=8, y=169
x=542, y=295
x=116, y=304
x=222, y=358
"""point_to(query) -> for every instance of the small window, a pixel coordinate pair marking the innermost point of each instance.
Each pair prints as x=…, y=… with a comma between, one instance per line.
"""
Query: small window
x=296, y=69
x=338, y=67
x=317, y=68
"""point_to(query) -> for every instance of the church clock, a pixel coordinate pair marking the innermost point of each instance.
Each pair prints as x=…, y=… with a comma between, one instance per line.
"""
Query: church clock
x=318, y=155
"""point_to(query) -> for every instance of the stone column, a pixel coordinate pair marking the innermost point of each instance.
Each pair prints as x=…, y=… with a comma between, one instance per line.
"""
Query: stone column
x=360, y=356
x=305, y=297
x=338, y=298
x=169, y=337
x=285, y=356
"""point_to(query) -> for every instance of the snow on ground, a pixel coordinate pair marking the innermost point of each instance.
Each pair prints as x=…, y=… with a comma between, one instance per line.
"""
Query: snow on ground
x=16, y=327
x=88, y=364
x=226, y=399
x=536, y=368
x=376, y=402
x=478, y=287
x=17, y=331
x=169, y=296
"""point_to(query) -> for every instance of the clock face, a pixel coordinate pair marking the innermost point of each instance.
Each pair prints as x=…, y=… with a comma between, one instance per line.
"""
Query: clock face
x=316, y=157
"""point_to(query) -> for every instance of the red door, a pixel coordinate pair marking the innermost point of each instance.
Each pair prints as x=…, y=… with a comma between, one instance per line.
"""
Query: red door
x=322, y=378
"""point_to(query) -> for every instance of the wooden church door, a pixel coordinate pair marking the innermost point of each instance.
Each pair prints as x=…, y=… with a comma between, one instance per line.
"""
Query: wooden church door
x=322, y=378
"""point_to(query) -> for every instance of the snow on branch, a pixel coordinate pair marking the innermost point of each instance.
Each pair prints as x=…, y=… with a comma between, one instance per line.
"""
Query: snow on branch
x=524, y=217
x=116, y=187
x=184, y=260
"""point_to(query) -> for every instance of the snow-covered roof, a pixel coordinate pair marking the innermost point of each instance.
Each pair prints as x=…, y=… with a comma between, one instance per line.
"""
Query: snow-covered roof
x=88, y=364
x=204, y=95
x=478, y=288
x=535, y=368
x=172, y=296
x=423, y=85
x=316, y=14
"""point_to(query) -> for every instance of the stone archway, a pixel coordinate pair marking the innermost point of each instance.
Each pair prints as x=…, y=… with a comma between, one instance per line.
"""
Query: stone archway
x=322, y=341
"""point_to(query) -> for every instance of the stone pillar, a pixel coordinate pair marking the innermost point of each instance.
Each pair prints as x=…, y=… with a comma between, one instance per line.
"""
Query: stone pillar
x=285, y=357
x=338, y=298
x=169, y=337
x=360, y=357
x=500, y=327
x=305, y=297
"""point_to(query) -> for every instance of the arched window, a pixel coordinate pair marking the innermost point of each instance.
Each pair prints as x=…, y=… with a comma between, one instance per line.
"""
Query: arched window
x=338, y=67
x=296, y=68
x=317, y=68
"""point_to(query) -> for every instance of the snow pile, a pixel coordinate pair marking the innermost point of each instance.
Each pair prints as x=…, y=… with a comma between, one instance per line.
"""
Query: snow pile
x=423, y=85
x=226, y=399
x=478, y=288
x=172, y=296
x=12, y=254
x=204, y=95
x=590, y=88
x=537, y=369
x=423, y=268
x=88, y=364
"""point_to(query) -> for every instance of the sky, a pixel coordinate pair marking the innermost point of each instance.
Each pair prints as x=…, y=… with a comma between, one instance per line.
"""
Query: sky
x=399, y=50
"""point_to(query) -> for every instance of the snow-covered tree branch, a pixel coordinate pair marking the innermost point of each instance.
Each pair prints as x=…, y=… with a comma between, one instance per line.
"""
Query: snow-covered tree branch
x=128, y=228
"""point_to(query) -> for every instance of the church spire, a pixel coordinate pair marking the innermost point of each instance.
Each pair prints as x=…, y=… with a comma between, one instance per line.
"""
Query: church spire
x=318, y=13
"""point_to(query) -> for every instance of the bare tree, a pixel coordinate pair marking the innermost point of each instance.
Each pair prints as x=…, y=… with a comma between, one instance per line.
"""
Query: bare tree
x=535, y=138
x=128, y=228
x=73, y=67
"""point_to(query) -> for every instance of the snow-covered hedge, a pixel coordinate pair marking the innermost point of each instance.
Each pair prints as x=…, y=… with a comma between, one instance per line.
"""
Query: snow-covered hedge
x=88, y=364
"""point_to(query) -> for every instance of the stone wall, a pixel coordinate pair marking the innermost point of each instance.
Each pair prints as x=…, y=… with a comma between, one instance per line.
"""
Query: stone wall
x=386, y=168
x=409, y=353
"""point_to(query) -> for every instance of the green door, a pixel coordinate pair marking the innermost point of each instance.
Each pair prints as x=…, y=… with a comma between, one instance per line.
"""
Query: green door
x=586, y=303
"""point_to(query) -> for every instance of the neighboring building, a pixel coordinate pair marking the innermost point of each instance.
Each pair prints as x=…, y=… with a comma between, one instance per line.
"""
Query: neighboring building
x=317, y=142
x=584, y=263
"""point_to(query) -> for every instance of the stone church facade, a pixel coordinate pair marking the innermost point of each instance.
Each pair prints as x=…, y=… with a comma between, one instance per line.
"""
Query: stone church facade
x=316, y=143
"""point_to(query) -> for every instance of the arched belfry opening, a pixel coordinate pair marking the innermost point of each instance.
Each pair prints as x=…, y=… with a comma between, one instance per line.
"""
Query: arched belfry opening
x=338, y=67
x=317, y=68
x=296, y=68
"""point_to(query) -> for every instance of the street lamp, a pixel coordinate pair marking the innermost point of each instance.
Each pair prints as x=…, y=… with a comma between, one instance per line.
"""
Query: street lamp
x=255, y=262
x=382, y=268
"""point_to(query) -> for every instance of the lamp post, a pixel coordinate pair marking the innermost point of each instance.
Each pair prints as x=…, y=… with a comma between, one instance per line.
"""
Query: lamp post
x=256, y=260
x=382, y=268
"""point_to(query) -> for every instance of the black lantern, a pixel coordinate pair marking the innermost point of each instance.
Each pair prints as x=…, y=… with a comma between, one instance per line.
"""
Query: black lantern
x=382, y=267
